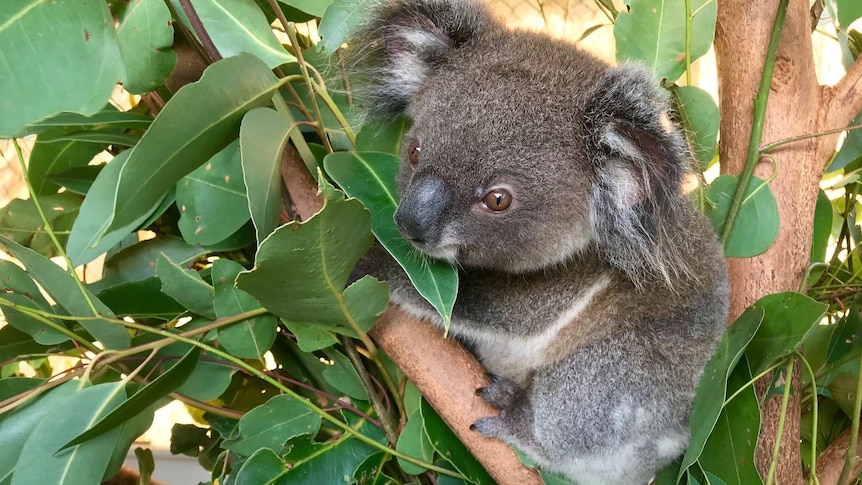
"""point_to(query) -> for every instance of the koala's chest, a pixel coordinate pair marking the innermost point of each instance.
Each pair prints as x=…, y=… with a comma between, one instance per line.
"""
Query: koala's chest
x=532, y=331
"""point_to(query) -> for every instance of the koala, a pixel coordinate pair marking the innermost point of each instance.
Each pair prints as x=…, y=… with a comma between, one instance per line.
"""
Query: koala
x=590, y=288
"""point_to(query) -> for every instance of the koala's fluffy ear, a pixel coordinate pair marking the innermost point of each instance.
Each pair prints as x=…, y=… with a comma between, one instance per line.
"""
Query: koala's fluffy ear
x=406, y=40
x=639, y=159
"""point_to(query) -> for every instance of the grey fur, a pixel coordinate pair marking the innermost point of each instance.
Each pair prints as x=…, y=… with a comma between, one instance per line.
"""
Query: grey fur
x=599, y=295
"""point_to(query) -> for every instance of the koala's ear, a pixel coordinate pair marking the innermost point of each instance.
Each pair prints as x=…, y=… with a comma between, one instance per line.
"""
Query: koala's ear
x=639, y=159
x=406, y=40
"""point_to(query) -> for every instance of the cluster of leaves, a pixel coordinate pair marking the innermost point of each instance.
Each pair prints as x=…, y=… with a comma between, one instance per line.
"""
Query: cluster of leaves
x=196, y=312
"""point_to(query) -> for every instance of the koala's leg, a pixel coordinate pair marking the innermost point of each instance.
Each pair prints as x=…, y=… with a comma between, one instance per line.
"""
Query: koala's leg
x=612, y=412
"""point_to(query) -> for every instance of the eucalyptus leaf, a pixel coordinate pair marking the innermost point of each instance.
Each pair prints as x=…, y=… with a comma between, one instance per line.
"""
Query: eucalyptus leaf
x=788, y=318
x=271, y=425
x=450, y=447
x=370, y=177
x=108, y=118
x=320, y=253
x=186, y=287
x=138, y=262
x=311, y=7
x=343, y=376
x=248, y=339
x=653, y=32
x=340, y=19
x=21, y=222
x=698, y=113
x=824, y=215
x=415, y=443
x=198, y=122
x=212, y=199
x=263, y=135
x=848, y=12
x=52, y=157
x=146, y=35
x=77, y=180
x=263, y=466
x=756, y=226
x=50, y=34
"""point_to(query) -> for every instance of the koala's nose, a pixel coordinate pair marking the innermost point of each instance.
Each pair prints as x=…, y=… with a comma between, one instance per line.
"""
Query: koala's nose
x=421, y=214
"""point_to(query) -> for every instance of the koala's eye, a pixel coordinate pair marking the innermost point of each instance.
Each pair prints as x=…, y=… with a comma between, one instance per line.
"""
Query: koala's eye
x=413, y=152
x=498, y=199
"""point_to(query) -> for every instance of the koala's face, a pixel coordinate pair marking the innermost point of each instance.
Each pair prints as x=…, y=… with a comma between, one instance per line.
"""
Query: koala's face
x=489, y=179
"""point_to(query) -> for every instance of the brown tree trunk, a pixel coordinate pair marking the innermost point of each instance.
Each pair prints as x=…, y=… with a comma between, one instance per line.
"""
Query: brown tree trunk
x=797, y=105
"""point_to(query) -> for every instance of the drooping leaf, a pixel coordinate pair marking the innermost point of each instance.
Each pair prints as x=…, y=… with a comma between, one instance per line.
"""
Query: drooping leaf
x=653, y=32
x=39, y=330
x=40, y=460
x=320, y=253
x=343, y=376
x=212, y=199
x=262, y=139
x=63, y=288
x=699, y=116
x=141, y=299
x=756, y=226
x=711, y=390
x=370, y=177
x=21, y=222
x=198, y=122
x=248, y=339
x=186, y=287
x=15, y=343
x=146, y=36
x=77, y=180
x=138, y=262
x=144, y=398
x=271, y=425
x=210, y=378
x=823, y=217
x=787, y=319
x=52, y=157
x=69, y=40
x=311, y=337
x=238, y=26
x=450, y=447
x=263, y=466
x=88, y=239
x=414, y=442
x=341, y=18
x=729, y=452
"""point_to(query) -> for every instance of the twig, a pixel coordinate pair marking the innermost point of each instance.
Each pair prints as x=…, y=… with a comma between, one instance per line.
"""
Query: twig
x=198, y=26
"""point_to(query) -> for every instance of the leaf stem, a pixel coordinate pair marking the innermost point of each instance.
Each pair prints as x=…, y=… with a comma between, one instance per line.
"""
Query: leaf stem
x=788, y=378
x=203, y=35
x=384, y=416
x=53, y=325
x=753, y=154
x=49, y=230
x=771, y=146
x=751, y=382
x=812, y=473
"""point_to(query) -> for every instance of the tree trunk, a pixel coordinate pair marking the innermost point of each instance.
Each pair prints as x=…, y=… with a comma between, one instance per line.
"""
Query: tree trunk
x=797, y=105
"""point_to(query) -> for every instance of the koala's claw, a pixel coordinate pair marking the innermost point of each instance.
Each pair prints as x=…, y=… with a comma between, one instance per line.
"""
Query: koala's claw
x=487, y=426
x=494, y=378
x=501, y=393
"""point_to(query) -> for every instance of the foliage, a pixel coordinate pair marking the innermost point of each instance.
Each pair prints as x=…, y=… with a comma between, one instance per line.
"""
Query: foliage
x=260, y=326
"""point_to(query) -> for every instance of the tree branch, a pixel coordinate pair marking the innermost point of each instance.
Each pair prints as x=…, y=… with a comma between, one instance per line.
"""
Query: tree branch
x=831, y=460
x=445, y=373
x=843, y=101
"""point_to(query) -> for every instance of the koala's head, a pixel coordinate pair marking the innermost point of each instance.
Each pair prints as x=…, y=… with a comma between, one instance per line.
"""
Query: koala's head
x=523, y=150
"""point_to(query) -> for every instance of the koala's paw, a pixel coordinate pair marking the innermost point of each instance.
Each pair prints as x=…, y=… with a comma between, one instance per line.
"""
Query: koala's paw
x=490, y=426
x=501, y=393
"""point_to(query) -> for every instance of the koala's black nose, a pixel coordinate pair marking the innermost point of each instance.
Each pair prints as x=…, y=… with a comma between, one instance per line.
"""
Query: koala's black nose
x=421, y=215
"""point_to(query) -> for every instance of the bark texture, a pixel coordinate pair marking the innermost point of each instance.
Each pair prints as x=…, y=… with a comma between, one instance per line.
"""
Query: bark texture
x=797, y=105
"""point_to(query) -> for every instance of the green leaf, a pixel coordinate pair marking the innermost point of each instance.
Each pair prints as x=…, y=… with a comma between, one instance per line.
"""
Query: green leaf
x=369, y=472
x=823, y=217
x=311, y=7
x=851, y=148
x=756, y=225
x=20, y=220
x=370, y=177
x=146, y=36
x=141, y=299
x=148, y=395
x=653, y=32
x=40, y=461
x=262, y=138
x=103, y=120
x=77, y=180
x=198, y=122
x=311, y=337
x=729, y=452
x=450, y=447
x=88, y=239
x=788, y=317
x=699, y=116
x=343, y=376
x=17, y=426
x=186, y=287
x=62, y=287
x=301, y=269
x=212, y=199
x=15, y=343
x=237, y=26
x=711, y=390
x=248, y=339
x=382, y=135
x=52, y=157
x=415, y=443
x=14, y=386
x=42, y=42
x=210, y=378
x=41, y=332
x=263, y=466
x=138, y=262
x=271, y=425
x=340, y=19
x=848, y=12
x=98, y=137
